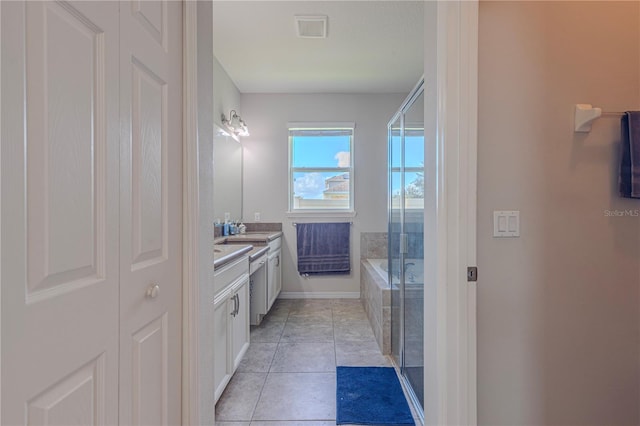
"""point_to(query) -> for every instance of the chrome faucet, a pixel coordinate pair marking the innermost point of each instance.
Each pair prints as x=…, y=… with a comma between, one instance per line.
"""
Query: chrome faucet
x=396, y=272
x=411, y=276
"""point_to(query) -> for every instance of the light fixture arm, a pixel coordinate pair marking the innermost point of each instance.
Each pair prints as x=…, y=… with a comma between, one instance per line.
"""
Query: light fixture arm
x=235, y=124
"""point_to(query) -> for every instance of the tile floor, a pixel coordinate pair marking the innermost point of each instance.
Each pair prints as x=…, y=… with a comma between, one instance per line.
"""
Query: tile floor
x=288, y=377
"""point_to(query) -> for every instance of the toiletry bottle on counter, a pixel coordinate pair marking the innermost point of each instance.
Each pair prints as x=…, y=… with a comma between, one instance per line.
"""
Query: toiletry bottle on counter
x=225, y=229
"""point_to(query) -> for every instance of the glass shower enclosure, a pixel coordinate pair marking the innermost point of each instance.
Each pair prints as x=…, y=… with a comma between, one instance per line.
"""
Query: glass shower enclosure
x=406, y=243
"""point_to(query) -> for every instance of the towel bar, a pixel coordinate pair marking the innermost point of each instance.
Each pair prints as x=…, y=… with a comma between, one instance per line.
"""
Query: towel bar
x=296, y=223
x=586, y=114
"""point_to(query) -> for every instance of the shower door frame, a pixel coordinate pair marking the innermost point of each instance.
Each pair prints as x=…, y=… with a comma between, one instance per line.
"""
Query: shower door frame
x=414, y=95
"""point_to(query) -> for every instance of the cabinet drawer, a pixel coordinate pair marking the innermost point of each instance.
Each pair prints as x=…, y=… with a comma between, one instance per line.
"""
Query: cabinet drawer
x=257, y=264
x=229, y=273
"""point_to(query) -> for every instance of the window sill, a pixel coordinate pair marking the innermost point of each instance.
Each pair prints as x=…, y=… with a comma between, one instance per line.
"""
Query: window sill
x=322, y=213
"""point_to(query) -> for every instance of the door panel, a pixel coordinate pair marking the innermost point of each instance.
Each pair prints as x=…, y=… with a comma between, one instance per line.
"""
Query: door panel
x=222, y=365
x=274, y=277
x=59, y=198
x=150, y=212
x=413, y=262
x=72, y=399
x=406, y=240
x=148, y=166
x=240, y=337
x=396, y=213
x=150, y=357
x=152, y=16
x=65, y=154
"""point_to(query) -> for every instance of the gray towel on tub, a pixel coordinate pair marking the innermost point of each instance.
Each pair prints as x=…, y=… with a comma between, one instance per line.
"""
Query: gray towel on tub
x=630, y=165
x=323, y=248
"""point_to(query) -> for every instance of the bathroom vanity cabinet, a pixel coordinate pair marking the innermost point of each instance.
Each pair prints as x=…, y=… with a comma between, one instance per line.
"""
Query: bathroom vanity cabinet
x=265, y=270
x=231, y=320
x=247, y=280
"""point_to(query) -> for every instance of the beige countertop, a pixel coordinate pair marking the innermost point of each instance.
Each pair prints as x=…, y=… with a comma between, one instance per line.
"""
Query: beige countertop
x=230, y=247
x=225, y=253
x=253, y=237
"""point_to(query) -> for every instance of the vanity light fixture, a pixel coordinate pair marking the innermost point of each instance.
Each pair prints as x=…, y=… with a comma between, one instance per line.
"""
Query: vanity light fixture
x=235, y=124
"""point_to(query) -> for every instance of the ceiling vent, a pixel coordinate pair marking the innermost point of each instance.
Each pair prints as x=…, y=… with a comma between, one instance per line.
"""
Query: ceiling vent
x=311, y=26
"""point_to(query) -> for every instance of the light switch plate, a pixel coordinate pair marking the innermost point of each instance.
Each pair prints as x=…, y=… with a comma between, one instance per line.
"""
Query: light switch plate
x=506, y=223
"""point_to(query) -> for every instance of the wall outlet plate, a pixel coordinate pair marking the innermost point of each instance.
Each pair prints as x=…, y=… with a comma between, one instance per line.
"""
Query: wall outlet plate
x=256, y=216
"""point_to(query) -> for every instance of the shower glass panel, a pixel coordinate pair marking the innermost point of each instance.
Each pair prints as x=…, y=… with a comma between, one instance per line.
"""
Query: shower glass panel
x=413, y=284
x=395, y=230
x=406, y=243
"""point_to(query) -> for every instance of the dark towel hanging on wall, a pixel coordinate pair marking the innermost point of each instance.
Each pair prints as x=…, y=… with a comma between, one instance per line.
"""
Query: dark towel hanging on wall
x=323, y=248
x=629, y=180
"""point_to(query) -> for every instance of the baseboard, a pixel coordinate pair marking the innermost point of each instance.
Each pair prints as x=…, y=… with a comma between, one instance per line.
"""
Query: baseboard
x=319, y=295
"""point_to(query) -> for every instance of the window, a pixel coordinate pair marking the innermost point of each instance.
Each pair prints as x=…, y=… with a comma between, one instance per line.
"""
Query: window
x=321, y=167
x=411, y=174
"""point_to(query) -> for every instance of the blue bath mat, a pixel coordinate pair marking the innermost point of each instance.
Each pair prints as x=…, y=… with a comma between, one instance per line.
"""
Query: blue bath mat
x=370, y=396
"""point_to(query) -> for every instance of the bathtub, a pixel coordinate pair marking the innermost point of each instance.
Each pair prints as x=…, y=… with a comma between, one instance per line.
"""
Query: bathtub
x=414, y=275
x=375, y=295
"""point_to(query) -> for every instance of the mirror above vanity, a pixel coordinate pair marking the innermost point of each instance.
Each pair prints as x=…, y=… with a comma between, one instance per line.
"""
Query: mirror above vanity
x=227, y=178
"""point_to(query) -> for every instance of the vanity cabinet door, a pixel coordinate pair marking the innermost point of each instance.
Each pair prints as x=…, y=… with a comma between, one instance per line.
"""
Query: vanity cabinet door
x=274, y=277
x=278, y=275
x=222, y=371
x=240, y=323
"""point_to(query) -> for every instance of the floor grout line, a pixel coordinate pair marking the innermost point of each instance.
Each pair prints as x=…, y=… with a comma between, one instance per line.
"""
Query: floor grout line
x=339, y=314
x=253, y=412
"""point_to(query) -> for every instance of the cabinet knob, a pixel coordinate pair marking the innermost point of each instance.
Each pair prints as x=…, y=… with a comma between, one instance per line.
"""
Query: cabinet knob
x=152, y=291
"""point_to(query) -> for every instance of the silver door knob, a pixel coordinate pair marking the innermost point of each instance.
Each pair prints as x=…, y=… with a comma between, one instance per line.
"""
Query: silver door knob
x=153, y=290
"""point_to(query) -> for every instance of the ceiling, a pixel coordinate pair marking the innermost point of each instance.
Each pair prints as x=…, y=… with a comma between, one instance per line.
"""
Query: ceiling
x=372, y=46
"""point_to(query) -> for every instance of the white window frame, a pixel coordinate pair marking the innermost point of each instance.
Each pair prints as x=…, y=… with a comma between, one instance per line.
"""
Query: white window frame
x=297, y=126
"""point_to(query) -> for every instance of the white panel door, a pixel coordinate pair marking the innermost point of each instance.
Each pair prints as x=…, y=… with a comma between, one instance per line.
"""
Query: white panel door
x=240, y=328
x=59, y=174
x=150, y=212
x=222, y=369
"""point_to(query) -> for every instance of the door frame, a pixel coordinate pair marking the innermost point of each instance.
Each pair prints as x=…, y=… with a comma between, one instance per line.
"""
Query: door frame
x=451, y=344
x=455, y=382
x=190, y=266
x=450, y=212
x=1, y=220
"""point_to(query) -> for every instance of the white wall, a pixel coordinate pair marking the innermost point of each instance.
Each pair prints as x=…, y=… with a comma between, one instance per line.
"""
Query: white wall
x=225, y=94
x=558, y=307
x=266, y=170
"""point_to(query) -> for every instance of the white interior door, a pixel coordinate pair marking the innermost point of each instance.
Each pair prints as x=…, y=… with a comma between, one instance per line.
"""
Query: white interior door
x=59, y=178
x=150, y=212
